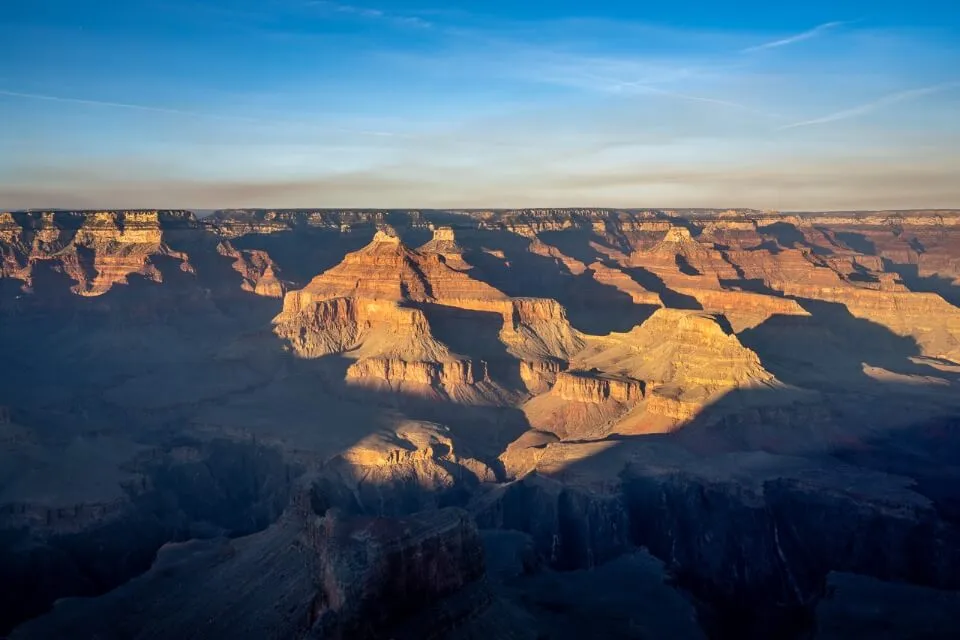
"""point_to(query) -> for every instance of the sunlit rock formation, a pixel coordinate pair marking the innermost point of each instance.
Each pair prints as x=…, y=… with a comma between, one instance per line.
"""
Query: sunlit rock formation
x=376, y=307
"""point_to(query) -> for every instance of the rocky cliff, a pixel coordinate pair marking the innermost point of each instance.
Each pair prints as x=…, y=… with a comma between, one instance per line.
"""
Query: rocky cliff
x=761, y=400
x=96, y=250
x=329, y=577
x=376, y=571
x=377, y=303
x=751, y=528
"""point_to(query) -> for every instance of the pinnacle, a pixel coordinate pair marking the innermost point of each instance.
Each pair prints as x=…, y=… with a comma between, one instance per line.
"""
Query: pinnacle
x=387, y=234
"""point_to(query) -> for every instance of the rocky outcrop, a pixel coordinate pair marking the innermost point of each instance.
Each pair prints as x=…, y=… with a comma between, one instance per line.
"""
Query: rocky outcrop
x=258, y=271
x=394, y=472
x=784, y=267
x=580, y=386
x=675, y=403
x=539, y=375
x=672, y=366
x=677, y=347
x=376, y=572
x=618, y=279
x=744, y=309
x=444, y=244
x=928, y=318
x=538, y=328
x=583, y=404
x=446, y=375
x=386, y=269
x=340, y=324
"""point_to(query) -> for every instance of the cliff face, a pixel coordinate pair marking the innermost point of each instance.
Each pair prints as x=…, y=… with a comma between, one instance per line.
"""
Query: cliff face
x=96, y=250
x=386, y=269
x=539, y=375
x=582, y=387
x=539, y=328
x=602, y=380
x=376, y=571
x=447, y=375
x=444, y=244
x=926, y=317
x=583, y=404
x=339, y=577
x=744, y=528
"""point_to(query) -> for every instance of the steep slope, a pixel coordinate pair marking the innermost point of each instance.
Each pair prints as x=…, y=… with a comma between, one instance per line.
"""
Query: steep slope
x=382, y=307
x=652, y=378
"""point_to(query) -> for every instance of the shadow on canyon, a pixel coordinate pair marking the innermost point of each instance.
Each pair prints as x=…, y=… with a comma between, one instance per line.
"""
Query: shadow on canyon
x=910, y=274
x=302, y=255
x=592, y=307
x=754, y=570
x=789, y=236
x=831, y=345
x=909, y=271
x=584, y=248
x=65, y=358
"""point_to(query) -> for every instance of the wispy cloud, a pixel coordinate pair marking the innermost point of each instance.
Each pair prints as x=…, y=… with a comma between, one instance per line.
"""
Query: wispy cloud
x=118, y=105
x=371, y=13
x=800, y=37
x=640, y=87
x=869, y=107
x=194, y=114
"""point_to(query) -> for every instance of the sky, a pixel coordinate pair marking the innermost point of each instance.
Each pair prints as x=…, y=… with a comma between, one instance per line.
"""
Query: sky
x=815, y=105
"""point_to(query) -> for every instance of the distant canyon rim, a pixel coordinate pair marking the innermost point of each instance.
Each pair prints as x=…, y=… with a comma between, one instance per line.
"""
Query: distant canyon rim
x=533, y=423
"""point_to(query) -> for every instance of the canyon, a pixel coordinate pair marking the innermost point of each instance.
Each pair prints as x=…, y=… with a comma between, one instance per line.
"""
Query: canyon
x=555, y=423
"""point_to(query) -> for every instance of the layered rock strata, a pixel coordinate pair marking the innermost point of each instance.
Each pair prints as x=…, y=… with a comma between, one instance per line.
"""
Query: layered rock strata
x=375, y=305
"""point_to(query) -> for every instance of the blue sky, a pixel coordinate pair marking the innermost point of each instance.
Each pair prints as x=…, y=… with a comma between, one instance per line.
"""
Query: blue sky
x=290, y=103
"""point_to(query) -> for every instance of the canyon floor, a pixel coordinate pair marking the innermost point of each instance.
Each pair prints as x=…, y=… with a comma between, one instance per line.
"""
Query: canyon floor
x=480, y=424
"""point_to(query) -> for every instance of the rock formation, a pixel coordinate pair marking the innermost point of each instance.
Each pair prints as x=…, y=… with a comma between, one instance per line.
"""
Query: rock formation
x=729, y=527
x=444, y=244
x=376, y=571
x=257, y=269
x=652, y=416
x=96, y=250
x=329, y=577
x=375, y=306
